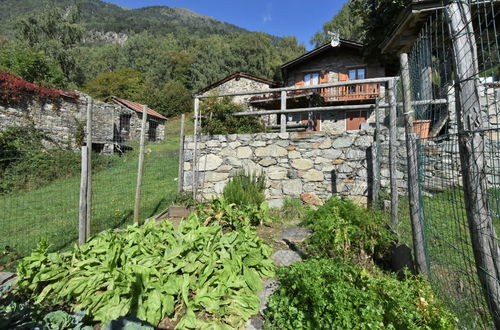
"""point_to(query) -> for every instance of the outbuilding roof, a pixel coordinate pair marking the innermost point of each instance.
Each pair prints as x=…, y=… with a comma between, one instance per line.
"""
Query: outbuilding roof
x=235, y=76
x=137, y=107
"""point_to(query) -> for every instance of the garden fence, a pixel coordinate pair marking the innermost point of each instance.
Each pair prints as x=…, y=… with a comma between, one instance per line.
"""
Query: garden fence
x=40, y=195
x=456, y=57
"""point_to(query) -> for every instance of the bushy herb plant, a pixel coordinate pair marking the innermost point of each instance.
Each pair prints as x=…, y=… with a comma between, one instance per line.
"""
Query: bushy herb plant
x=345, y=229
x=246, y=188
x=328, y=294
x=196, y=274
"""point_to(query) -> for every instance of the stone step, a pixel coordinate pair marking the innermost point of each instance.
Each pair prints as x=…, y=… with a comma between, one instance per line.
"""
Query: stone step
x=285, y=258
x=295, y=234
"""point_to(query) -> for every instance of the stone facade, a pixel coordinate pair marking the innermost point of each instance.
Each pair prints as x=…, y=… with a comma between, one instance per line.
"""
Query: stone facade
x=238, y=84
x=293, y=163
x=63, y=121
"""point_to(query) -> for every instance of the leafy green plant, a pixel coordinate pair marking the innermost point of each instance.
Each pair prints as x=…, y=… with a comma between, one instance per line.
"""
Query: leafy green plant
x=292, y=210
x=345, y=229
x=232, y=215
x=328, y=294
x=196, y=274
x=246, y=188
x=221, y=120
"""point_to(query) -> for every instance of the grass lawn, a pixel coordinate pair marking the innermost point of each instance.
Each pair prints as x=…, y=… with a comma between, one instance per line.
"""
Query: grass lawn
x=51, y=212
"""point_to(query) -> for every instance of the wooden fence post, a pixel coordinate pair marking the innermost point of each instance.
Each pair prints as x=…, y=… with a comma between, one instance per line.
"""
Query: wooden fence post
x=140, y=168
x=194, y=178
x=471, y=145
x=416, y=214
x=283, y=115
x=82, y=223
x=90, y=104
x=376, y=156
x=393, y=141
x=180, y=186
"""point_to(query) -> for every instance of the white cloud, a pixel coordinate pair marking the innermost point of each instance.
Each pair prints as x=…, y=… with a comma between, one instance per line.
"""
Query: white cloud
x=267, y=14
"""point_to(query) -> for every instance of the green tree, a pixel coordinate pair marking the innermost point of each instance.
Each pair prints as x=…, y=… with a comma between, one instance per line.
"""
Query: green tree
x=124, y=83
x=175, y=99
x=348, y=25
x=56, y=32
x=30, y=64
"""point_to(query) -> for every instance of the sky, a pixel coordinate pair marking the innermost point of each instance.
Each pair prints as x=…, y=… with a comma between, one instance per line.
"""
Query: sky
x=298, y=18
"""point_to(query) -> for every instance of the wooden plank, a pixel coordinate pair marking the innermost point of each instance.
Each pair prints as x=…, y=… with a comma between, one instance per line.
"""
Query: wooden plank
x=283, y=116
x=195, y=150
x=180, y=179
x=471, y=145
x=393, y=149
x=416, y=213
x=82, y=223
x=140, y=167
x=90, y=104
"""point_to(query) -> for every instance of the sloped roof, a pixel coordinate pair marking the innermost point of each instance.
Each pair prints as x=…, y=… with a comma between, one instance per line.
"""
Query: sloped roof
x=321, y=49
x=137, y=107
x=234, y=76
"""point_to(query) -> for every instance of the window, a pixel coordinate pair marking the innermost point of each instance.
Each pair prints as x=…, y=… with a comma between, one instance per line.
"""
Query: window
x=152, y=131
x=125, y=123
x=311, y=78
x=355, y=74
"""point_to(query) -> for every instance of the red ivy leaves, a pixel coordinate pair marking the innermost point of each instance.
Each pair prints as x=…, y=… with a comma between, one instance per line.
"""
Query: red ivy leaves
x=13, y=89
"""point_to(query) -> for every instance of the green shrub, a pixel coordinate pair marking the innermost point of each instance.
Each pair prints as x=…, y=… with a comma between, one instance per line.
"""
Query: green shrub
x=221, y=121
x=197, y=274
x=293, y=209
x=246, y=188
x=232, y=215
x=327, y=294
x=345, y=229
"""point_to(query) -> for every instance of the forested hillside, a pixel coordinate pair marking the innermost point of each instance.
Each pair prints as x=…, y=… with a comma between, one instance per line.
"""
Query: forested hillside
x=155, y=55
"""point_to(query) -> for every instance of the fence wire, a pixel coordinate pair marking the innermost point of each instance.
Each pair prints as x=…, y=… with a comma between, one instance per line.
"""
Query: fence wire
x=450, y=256
x=39, y=195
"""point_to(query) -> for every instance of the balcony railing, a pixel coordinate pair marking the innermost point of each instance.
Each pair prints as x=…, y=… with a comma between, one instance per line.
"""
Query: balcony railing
x=354, y=92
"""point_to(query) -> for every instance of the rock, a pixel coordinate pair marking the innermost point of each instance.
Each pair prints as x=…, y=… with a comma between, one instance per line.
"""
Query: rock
x=255, y=323
x=216, y=177
x=7, y=277
x=213, y=143
x=267, y=162
x=296, y=234
x=326, y=144
x=293, y=188
x=277, y=173
x=320, y=160
x=234, y=145
x=270, y=286
x=228, y=152
x=331, y=153
x=293, y=154
x=313, y=176
x=356, y=154
x=291, y=148
x=284, y=136
x=311, y=199
x=187, y=166
x=285, y=258
x=342, y=142
x=258, y=144
x=244, y=152
x=302, y=164
x=209, y=163
x=271, y=151
x=276, y=203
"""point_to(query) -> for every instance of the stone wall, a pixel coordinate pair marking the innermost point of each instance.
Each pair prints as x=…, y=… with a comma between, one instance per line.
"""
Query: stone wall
x=239, y=84
x=294, y=163
x=63, y=121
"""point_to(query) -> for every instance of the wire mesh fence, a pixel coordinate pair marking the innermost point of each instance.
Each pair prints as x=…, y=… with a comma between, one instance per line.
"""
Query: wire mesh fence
x=39, y=195
x=441, y=74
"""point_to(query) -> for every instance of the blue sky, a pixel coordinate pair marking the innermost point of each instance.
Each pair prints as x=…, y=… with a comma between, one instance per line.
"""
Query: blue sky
x=278, y=17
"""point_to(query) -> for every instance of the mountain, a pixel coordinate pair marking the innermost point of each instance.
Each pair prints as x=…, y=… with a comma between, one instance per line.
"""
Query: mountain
x=107, y=17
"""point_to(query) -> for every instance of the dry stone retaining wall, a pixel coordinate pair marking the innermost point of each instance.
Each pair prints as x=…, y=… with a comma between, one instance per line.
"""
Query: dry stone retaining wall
x=316, y=163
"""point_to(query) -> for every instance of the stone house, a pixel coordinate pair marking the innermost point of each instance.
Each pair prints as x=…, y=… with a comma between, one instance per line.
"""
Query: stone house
x=128, y=120
x=332, y=62
x=64, y=120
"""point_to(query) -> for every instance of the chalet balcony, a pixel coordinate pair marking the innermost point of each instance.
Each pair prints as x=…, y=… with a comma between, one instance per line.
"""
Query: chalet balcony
x=354, y=92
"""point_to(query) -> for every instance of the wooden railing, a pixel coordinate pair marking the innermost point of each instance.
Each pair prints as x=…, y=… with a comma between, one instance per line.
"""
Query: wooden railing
x=352, y=92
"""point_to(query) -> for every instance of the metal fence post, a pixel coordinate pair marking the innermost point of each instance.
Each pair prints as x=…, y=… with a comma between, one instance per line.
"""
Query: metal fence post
x=140, y=168
x=413, y=186
x=471, y=146
x=180, y=186
x=90, y=104
x=393, y=141
x=82, y=223
x=283, y=115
